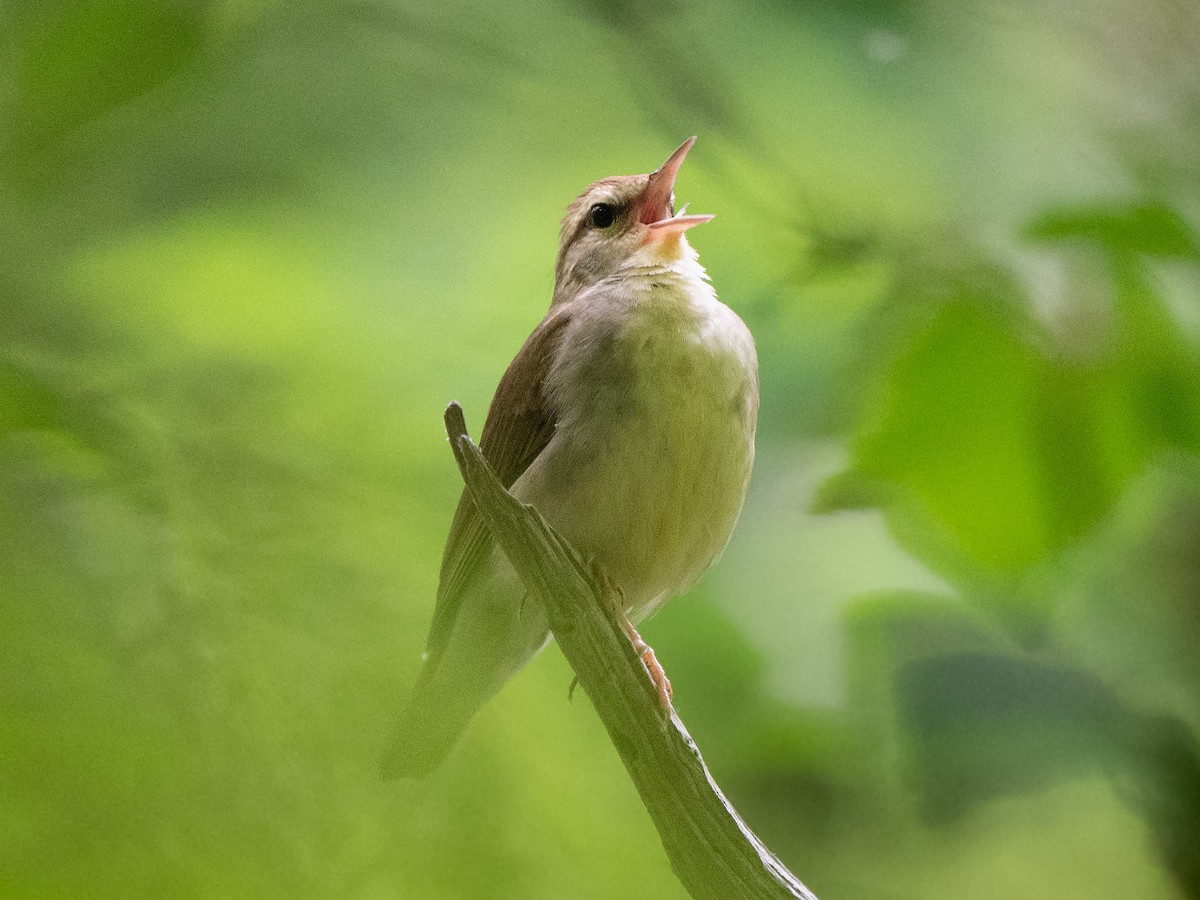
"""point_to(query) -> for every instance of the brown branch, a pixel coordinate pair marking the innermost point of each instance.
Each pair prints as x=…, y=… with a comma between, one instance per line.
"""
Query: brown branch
x=712, y=851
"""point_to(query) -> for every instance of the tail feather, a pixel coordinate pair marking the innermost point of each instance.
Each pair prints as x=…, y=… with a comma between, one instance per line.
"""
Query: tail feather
x=494, y=634
x=483, y=653
x=435, y=717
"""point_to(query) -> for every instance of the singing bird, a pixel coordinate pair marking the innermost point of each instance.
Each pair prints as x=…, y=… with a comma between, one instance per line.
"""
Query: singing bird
x=627, y=420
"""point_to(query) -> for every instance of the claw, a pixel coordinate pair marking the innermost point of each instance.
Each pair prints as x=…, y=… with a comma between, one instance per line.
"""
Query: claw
x=662, y=684
x=608, y=588
x=658, y=676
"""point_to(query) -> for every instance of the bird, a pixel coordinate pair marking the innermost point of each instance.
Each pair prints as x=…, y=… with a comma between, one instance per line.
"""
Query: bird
x=627, y=419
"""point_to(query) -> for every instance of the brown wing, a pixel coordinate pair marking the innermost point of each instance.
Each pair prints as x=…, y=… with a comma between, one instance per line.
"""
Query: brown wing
x=519, y=425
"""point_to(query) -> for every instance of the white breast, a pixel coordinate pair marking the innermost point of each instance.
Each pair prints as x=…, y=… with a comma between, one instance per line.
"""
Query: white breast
x=657, y=392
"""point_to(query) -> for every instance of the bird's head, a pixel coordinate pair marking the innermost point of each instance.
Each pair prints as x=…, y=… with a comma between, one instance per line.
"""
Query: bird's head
x=621, y=221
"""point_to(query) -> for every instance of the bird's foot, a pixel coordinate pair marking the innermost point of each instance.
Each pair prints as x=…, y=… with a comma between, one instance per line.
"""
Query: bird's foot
x=613, y=592
x=607, y=585
x=662, y=684
x=609, y=589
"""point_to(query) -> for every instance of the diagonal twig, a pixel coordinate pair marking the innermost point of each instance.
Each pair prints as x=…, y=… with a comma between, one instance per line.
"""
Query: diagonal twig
x=712, y=851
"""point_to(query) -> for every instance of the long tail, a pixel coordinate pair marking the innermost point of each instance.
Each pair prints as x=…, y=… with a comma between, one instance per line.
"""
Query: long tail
x=435, y=717
x=488, y=645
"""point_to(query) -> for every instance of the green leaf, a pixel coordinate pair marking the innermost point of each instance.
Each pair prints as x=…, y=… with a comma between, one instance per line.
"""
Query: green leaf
x=82, y=60
x=956, y=437
x=981, y=726
x=1146, y=227
x=990, y=447
x=1130, y=592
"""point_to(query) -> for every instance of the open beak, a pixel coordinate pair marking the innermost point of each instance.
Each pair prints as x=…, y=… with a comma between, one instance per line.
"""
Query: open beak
x=654, y=206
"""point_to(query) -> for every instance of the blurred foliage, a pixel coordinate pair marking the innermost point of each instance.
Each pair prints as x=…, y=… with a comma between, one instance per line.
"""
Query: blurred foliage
x=250, y=249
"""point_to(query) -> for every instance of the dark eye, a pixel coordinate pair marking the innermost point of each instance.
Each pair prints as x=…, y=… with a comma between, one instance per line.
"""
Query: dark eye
x=601, y=215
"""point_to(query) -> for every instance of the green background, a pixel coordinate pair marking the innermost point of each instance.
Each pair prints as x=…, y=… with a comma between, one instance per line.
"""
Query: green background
x=249, y=251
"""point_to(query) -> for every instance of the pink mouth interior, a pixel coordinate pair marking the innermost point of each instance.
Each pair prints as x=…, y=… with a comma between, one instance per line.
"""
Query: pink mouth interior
x=655, y=205
x=654, y=208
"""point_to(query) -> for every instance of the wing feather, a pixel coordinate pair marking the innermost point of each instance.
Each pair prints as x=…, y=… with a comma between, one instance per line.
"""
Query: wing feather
x=520, y=423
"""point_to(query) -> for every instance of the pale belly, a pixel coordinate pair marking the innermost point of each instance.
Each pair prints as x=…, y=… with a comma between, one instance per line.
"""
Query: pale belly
x=648, y=477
